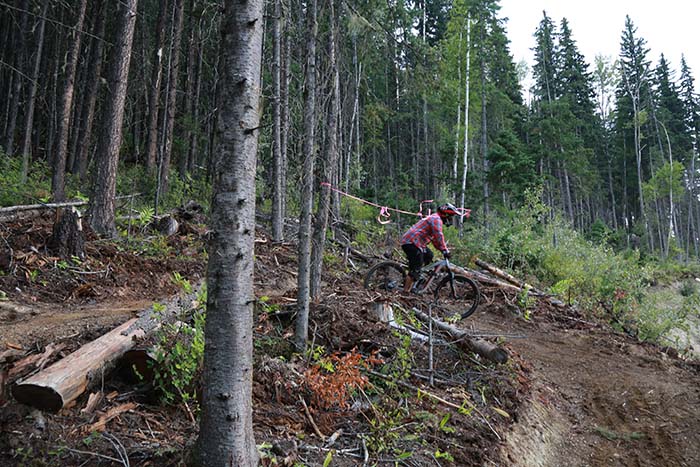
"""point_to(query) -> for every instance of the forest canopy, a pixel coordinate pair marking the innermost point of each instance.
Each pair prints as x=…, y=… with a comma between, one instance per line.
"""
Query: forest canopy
x=430, y=106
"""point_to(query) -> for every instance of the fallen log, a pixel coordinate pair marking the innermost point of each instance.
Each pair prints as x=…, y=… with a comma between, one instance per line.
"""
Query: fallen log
x=504, y=275
x=23, y=211
x=31, y=207
x=61, y=383
x=483, y=278
x=521, y=284
x=485, y=349
x=68, y=378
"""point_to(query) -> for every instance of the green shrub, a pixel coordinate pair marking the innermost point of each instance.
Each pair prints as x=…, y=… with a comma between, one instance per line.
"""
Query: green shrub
x=14, y=191
x=689, y=287
x=179, y=354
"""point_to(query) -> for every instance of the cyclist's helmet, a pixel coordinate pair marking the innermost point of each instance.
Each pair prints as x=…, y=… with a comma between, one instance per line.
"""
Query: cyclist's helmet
x=447, y=212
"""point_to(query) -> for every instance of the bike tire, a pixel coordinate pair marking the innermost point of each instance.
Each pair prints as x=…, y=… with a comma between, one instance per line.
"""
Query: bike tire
x=466, y=294
x=386, y=276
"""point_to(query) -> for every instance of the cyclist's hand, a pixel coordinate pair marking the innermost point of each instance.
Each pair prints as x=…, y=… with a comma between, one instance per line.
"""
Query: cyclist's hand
x=447, y=254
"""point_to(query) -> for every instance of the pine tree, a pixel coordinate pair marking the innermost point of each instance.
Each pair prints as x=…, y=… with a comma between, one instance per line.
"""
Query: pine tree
x=632, y=106
x=544, y=68
x=670, y=110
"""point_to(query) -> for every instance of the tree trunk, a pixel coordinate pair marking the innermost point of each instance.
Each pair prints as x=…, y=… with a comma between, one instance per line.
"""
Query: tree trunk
x=226, y=426
x=455, y=160
x=17, y=83
x=105, y=185
x=286, y=77
x=484, y=142
x=93, y=79
x=331, y=163
x=58, y=180
x=171, y=108
x=194, y=73
x=31, y=100
x=277, y=187
x=154, y=91
x=307, y=189
x=190, y=79
x=465, y=158
x=192, y=158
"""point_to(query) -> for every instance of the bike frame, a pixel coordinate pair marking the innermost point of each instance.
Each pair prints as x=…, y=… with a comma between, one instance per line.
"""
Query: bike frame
x=432, y=271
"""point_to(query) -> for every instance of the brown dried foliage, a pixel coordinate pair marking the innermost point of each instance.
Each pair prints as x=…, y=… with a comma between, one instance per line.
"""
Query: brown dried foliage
x=331, y=389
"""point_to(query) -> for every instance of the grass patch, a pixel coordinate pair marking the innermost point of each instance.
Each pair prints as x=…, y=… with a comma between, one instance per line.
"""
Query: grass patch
x=614, y=435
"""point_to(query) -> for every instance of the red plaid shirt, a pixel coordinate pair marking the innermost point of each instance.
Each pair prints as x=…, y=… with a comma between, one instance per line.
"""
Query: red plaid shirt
x=426, y=230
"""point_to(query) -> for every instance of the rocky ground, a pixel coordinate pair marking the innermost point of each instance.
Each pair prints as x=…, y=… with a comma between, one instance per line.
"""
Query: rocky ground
x=573, y=393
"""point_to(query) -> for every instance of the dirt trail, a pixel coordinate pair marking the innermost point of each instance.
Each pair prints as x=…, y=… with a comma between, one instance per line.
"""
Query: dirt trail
x=599, y=398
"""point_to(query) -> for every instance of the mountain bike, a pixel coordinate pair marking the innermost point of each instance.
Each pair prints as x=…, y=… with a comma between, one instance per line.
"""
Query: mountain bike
x=449, y=287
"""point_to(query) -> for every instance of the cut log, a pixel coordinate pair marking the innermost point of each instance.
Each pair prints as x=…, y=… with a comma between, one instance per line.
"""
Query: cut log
x=485, y=349
x=68, y=378
x=65, y=380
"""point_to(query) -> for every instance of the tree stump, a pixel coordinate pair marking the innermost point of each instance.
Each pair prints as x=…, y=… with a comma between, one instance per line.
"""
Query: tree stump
x=67, y=239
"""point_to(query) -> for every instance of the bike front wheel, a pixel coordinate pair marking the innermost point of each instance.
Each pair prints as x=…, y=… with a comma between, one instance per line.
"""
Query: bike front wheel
x=460, y=291
x=386, y=276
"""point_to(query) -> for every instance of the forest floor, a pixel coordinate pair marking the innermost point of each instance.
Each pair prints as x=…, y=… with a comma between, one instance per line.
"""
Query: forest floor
x=574, y=393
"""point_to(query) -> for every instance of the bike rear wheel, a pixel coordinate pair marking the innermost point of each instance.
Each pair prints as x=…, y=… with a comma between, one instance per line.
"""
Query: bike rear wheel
x=386, y=276
x=465, y=294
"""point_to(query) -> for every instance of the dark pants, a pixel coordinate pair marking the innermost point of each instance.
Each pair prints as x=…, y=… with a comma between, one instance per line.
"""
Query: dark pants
x=417, y=258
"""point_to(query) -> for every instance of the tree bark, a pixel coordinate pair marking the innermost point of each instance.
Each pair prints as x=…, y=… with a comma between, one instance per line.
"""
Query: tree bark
x=58, y=180
x=105, y=186
x=65, y=380
x=277, y=177
x=226, y=426
x=307, y=191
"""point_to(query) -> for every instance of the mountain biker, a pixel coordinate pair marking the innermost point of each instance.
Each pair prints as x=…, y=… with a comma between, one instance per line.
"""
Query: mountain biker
x=415, y=241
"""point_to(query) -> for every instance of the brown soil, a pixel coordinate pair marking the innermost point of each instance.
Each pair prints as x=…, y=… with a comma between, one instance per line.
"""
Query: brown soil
x=577, y=393
x=599, y=397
